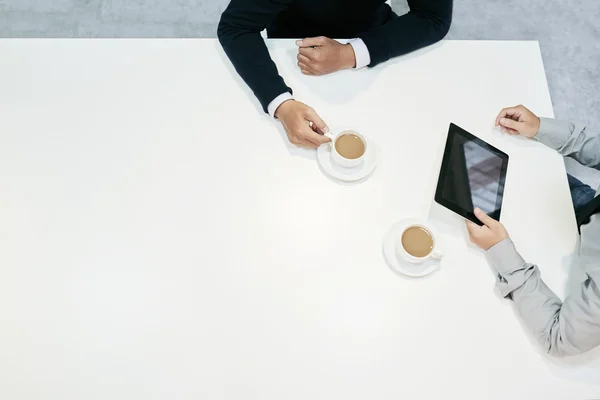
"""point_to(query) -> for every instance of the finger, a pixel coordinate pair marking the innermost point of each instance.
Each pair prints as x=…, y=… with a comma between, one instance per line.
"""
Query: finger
x=509, y=131
x=304, y=62
x=511, y=124
x=473, y=229
x=303, y=59
x=312, y=116
x=484, y=218
x=317, y=129
x=306, y=70
x=506, y=112
x=307, y=52
x=309, y=42
x=314, y=137
x=472, y=238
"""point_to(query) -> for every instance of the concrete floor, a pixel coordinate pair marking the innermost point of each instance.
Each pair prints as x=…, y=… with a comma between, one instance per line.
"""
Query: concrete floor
x=568, y=32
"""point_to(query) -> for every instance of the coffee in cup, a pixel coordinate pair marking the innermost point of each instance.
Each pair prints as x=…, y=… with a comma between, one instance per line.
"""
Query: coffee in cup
x=349, y=145
x=417, y=241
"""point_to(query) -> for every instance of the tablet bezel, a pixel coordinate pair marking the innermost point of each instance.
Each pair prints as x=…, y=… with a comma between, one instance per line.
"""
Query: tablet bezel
x=457, y=130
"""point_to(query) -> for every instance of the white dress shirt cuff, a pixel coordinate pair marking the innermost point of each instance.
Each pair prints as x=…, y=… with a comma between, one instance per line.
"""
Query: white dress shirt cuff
x=361, y=53
x=277, y=101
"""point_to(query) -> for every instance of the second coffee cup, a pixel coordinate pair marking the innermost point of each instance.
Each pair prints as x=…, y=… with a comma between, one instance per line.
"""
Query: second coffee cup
x=418, y=244
x=348, y=148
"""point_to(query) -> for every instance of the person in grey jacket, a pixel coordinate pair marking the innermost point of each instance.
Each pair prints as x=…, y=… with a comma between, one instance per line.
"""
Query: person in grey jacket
x=563, y=328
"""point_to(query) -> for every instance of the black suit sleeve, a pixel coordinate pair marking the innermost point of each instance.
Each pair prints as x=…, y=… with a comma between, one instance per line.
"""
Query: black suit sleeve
x=239, y=34
x=427, y=22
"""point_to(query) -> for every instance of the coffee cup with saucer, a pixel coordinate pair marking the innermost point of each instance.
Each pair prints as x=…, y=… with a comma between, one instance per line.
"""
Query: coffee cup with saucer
x=431, y=252
x=424, y=260
x=353, y=165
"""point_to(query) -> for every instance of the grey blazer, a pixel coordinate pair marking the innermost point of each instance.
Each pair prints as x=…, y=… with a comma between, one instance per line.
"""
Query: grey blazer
x=573, y=326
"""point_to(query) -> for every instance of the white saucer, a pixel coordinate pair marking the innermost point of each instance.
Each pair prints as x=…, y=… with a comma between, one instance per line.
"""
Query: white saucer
x=391, y=239
x=348, y=174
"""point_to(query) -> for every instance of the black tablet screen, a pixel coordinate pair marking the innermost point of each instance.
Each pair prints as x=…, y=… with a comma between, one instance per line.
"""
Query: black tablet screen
x=473, y=175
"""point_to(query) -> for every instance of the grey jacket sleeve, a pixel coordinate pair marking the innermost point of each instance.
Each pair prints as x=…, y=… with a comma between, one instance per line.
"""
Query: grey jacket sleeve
x=562, y=328
x=571, y=140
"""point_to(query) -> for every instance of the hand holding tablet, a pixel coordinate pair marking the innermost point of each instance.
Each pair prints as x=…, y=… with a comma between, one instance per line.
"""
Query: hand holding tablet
x=490, y=234
x=472, y=176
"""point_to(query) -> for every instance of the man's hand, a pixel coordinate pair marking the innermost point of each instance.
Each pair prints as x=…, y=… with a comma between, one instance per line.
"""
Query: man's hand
x=518, y=121
x=321, y=56
x=302, y=124
x=488, y=235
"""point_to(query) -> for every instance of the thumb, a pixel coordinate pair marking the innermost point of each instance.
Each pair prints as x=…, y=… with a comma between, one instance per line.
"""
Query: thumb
x=512, y=124
x=310, y=42
x=313, y=117
x=483, y=217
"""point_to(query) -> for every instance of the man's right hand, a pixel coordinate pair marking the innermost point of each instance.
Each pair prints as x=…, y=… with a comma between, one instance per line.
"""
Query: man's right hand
x=518, y=121
x=296, y=118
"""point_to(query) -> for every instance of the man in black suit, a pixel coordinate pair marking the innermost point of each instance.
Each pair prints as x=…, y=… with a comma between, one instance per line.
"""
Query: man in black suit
x=377, y=34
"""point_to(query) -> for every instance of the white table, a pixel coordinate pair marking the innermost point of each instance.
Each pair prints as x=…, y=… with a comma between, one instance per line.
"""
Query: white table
x=159, y=238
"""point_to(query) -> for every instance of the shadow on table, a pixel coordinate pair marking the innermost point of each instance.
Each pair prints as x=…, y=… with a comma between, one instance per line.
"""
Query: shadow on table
x=337, y=88
x=296, y=151
x=345, y=183
x=584, y=368
x=344, y=86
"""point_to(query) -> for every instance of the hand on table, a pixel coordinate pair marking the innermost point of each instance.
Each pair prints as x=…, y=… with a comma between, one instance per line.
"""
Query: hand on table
x=321, y=56
x=296, y=118
x=488, y=235
x=518, y=121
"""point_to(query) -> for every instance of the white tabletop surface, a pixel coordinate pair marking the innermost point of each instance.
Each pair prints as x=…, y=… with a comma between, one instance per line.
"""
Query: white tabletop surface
x=160, y=239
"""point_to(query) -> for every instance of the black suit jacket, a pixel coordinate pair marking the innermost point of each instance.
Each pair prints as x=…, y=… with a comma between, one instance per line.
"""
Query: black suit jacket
x=384, y=33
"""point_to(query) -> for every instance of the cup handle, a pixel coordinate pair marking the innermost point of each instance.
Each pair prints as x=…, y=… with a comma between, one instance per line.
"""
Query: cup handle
x=330, y=136
x=438, y=255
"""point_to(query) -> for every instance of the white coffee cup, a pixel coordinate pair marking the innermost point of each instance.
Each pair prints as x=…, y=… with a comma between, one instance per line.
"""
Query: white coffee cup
x=337, y=157
x=435, y=253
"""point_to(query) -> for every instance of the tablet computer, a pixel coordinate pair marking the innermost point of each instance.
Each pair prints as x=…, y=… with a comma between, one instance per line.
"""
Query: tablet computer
x=472, y=176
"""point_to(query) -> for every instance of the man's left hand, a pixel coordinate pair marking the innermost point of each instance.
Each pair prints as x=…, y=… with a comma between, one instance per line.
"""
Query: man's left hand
x=488, y=235
x=321, y=56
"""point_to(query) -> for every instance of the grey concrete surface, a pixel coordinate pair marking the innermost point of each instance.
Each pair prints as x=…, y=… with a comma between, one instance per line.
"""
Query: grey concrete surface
x=568, y=32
